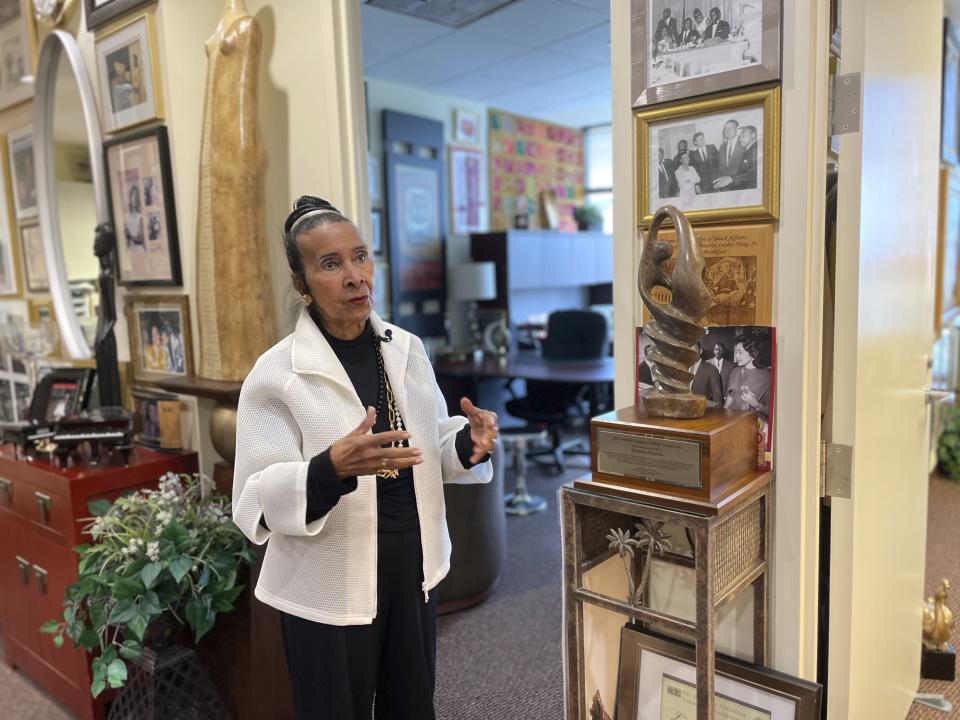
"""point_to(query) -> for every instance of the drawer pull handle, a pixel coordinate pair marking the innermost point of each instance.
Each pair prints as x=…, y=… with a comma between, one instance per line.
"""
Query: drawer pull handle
x=41, y=579
x=24, y=567
x=43, y=502
x=6, y=490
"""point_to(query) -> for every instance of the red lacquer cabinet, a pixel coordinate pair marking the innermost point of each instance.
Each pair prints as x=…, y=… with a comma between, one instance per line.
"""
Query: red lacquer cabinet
x=41, y=511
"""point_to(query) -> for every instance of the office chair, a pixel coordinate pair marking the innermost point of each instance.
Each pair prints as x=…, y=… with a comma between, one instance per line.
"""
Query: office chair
x=571, y=335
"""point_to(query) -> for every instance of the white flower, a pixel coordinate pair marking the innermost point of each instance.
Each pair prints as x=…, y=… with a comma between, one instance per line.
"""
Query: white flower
x=153, y=551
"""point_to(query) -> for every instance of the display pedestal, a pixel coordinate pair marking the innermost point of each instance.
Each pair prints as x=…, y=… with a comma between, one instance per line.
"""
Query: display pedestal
x=699, y=475
x=938, y=664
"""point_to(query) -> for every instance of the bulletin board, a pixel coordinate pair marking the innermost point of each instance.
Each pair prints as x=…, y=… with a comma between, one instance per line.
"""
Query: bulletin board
x=526, y=157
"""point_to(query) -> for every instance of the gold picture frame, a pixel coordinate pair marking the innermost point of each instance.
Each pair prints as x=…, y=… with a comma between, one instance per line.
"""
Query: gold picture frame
x=130, y=89
x=11, y=287
x=161, y=345
x=728, y=199
x=947, y=295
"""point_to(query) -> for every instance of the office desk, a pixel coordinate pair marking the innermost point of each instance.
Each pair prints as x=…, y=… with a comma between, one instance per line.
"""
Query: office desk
x=457, y=378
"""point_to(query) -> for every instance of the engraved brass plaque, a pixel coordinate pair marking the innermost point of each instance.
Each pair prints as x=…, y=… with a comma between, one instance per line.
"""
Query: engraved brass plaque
x=649, y=458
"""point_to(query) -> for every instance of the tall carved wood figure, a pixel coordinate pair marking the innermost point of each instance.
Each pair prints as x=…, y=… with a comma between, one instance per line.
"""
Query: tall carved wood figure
x=234, y=299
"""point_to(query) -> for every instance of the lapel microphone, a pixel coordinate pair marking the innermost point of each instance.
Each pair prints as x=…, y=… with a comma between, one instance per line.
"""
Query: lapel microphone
x=386, y=337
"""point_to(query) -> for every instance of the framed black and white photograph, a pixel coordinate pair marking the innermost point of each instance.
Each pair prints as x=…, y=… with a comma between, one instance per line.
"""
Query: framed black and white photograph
x=160, y=341
x=684, y=48
x=129, y=74
x=950, y=99
x=23, y=172
x=376, y=231
x=17, y=53
x=102, y=12
x=658, y=679
x=140, y=185
x=714, y=159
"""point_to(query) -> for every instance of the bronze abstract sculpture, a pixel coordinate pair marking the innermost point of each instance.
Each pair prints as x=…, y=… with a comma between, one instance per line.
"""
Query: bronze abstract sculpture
x=234, y=297
x=675, y=327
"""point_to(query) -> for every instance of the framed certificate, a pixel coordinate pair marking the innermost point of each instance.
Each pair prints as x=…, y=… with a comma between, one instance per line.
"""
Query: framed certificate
x=658, y=682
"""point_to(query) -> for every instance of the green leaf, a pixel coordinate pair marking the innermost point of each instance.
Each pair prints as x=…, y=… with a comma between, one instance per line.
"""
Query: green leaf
x=223, y=601
x=58, y=641
x=117, y=673
x=69, y=614
x=109, y=655
x=177, y=533
x=204, y=577
x=98, y=615
x=131, y=649
x=149, y=574
x=81, y=549
x=127, y=588
x=50, y=626
x=138, y=625
x=133, y=569
x=151, y=604
x=200, y=617
x=179, y=567
x=122, y=612
x=98, y=508
x=99, y=683
x=89, y=638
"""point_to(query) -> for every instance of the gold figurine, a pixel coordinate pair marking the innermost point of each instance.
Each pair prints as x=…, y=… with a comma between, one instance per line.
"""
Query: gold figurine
x=937, y=620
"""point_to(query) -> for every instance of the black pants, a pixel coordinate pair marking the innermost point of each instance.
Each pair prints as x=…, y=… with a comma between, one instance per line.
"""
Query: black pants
x=335, y=671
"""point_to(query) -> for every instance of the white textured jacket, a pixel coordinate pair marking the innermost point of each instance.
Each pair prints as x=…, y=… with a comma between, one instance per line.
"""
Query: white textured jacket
x=295, y=403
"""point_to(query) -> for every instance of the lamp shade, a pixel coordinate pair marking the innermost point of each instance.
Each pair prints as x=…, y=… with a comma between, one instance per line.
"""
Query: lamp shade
x=474, y=281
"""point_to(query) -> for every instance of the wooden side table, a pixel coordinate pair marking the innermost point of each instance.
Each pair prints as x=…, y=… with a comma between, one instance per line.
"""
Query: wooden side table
x=730, y=544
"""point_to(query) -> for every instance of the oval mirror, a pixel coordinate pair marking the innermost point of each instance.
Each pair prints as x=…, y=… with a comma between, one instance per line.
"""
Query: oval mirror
x=71, y=186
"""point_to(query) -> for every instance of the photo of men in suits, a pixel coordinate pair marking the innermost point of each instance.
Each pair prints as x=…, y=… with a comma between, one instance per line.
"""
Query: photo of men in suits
x=704, y=159
x=730, y=153
x=689, y=35
x=681, y=149
x=668, y=181
x=706, y=380
x=746, y=176
x=723, y=364
x=667, y=27
x=718, y=29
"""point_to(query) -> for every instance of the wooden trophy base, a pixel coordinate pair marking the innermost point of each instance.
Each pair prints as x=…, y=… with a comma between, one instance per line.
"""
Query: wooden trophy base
x=697, y=463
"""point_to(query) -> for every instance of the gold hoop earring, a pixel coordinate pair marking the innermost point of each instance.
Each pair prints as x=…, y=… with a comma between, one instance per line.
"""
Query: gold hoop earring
x=306, y=299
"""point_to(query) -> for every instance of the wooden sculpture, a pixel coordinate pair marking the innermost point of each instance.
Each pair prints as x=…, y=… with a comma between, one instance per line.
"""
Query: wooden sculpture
x=676, y=326
x=234, y=299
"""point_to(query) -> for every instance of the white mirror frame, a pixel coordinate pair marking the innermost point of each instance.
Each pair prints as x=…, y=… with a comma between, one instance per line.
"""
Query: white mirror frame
x=57, y=47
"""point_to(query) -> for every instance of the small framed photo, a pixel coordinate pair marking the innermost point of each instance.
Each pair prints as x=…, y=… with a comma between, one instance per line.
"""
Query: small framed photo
x=60, y=393
x=34, y=263
x=376, y=231
x=17, y=53
x=160, y=340
x=680, y=51
x=100, y=13
x=140, y=188
x=950, y=103
x=658, y=680
x=716, y=159
x=466, y=127
x=23, y=172
x=129, y=73
x=157, y=415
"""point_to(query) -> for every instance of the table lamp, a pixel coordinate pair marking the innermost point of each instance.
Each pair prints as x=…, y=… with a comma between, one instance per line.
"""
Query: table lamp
x=473, y=282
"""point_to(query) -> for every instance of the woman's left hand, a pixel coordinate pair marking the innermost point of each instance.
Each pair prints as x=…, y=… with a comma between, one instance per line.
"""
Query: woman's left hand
x=749, y=398
x=483, y=429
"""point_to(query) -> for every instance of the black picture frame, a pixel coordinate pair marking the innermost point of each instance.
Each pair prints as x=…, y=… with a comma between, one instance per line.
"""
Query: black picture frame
x=157, y=133
x=69, y=387
x=98, y=17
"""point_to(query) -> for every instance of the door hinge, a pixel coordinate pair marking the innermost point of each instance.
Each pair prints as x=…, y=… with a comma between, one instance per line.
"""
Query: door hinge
x=844, y=104
x=836, y=470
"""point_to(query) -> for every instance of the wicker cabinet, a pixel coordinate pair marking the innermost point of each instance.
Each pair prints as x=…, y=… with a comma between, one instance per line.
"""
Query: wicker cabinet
x=42, y=511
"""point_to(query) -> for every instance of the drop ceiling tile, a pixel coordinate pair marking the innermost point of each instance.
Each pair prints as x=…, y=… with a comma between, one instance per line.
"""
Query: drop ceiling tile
x=388, y=34
x=534, y=96
x=594, y=81
x=592, y=110
x=445, y=58
x=538, y=21
x=541, y=66
x=480, y=85
x=602, y=6
x=593, y=44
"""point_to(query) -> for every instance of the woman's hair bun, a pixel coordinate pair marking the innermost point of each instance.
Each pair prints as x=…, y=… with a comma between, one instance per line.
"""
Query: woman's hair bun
x=305, y=202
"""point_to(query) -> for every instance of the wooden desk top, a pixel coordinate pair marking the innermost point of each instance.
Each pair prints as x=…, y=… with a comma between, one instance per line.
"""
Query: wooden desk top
x=529, y=367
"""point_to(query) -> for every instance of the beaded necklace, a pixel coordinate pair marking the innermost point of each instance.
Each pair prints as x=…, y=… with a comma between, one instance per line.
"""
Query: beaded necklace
x=386, y=400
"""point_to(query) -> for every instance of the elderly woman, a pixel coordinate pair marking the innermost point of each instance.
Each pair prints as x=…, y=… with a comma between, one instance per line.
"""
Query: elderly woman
x=343, y=446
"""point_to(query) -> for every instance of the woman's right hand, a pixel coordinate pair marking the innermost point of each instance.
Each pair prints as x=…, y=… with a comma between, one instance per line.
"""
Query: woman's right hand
x=360, y=453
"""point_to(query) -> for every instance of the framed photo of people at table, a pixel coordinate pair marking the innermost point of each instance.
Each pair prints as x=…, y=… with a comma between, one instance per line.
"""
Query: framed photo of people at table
x=658, y=679
x=682, y=49
x=716, y=159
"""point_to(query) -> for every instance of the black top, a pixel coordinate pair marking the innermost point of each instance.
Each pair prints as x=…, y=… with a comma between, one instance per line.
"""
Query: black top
x=396, y=500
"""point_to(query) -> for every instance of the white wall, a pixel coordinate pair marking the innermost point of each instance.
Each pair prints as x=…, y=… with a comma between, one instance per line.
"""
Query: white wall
x=383, y=95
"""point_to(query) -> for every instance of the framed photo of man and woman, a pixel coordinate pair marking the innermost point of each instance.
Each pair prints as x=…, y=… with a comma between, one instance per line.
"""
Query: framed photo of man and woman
x=684, y=48
x=160, y=340
x=714, y=159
